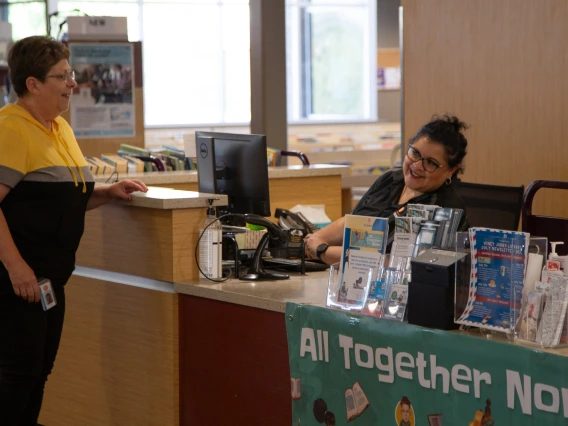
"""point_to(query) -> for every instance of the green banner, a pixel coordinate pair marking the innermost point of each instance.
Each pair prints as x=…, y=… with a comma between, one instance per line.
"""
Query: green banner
x=358, y=370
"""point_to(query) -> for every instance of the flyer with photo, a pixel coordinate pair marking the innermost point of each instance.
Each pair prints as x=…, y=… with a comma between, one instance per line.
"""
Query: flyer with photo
x=103, y=101
x=364, y=244
x=498, y=262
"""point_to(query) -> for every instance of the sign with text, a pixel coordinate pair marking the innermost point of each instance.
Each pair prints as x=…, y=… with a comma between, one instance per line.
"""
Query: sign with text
x=358, y=370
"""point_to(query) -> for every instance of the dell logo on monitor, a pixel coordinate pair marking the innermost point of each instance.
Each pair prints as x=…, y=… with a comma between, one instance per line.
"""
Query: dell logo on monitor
x=203, y=150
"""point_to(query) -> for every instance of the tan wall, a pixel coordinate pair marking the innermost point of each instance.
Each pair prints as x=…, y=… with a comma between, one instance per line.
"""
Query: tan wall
x=501, y=66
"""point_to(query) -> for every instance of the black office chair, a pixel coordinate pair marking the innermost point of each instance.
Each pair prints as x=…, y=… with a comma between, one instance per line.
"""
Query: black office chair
x=552, y=227
x=299, y=154
x=492, y=206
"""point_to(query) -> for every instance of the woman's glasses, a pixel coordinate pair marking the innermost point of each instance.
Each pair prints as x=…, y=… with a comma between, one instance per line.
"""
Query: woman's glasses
x=65, y=77
x=427, y=163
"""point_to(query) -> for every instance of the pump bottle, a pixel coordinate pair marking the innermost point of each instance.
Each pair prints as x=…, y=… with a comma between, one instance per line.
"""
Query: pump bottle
x=555, y=257
x=211, y=244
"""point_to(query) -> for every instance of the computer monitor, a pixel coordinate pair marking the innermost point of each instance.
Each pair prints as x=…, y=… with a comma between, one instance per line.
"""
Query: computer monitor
x=235, y=165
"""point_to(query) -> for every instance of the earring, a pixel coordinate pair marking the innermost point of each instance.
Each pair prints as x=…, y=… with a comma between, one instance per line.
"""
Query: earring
x=448, y=181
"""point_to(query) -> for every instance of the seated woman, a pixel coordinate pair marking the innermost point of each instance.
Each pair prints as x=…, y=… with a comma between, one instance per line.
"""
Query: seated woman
x=428, y=176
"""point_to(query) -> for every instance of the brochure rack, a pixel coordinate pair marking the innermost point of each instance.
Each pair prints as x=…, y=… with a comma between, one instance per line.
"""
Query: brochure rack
x=349, y=296
x=501, y=287
x=489, y=297
x=543, y=315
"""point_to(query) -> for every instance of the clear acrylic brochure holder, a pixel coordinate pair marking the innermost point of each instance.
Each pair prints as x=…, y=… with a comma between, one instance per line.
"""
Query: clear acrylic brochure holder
x=489, y=281
x=349, y=296
x=388, y=293
x=543, y=315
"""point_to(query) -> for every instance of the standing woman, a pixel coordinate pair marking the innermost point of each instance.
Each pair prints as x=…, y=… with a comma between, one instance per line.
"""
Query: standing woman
x=45, y=189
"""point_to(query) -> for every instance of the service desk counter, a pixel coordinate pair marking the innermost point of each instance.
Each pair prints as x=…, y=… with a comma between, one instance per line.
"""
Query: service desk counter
x=288, y=186
x=234, y=360
x=147, y=342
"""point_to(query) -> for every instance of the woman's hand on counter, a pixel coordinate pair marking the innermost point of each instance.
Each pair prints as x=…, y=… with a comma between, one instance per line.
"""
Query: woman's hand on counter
x=121, y=190
x=118, y=191
x=311, y=243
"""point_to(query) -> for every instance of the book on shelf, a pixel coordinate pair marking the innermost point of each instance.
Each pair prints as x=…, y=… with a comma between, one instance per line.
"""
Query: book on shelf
x=136, y=150
x=104, y=167
x=93, y=167
x=120, y=164
x=135, y=165
x=355, y=401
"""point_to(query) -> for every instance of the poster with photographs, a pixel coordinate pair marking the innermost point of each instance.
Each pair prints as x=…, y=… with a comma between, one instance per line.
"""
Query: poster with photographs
x=103, y=101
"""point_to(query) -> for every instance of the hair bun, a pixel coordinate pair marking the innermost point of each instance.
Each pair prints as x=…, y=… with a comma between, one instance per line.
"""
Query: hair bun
x=454, y=123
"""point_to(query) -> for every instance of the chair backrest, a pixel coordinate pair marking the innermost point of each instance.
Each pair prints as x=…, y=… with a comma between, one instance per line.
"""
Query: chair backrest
x=554, y=228
x=293, y=153
x=492, y=206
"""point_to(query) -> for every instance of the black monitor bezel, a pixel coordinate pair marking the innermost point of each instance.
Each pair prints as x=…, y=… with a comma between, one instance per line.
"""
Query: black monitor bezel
x=257, y=163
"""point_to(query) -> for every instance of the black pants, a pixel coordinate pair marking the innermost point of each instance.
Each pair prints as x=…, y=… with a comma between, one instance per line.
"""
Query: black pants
x=29, y=339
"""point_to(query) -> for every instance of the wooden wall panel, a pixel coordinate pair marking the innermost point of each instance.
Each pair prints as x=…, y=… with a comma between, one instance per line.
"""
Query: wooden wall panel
x=151, y=243
x=118, y=360
x=129, y=240
x=286, y=193
x=500, y=66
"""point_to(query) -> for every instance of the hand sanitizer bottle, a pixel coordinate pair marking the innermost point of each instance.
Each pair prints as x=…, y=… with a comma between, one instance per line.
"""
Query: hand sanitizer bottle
x=554, y=257
x=210, y=245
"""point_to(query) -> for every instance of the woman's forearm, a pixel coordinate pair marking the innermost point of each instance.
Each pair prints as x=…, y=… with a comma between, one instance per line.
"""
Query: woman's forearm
x=333, y=233
x=99, y=197
x=332, y=255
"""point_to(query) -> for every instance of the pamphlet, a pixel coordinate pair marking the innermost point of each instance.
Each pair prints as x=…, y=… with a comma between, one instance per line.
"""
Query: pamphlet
x=404, y=235
x=424, y=211
x=364, y=244
x=498, y=261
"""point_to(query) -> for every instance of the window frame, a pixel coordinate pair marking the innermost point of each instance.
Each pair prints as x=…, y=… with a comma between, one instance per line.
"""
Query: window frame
x=298, y=82
x=295, y=75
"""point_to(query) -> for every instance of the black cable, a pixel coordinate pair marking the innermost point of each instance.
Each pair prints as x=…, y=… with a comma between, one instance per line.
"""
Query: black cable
x=110, y=177
x=197, y=251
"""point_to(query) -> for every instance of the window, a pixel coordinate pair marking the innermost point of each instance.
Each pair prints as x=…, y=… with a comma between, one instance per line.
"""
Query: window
x=331, y=60
x=27, y=18
x=196, y=57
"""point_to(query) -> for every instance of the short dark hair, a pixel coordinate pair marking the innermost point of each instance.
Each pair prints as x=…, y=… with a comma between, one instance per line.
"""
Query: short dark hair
x=405, y=400
x=33, y=57
x=446, y=130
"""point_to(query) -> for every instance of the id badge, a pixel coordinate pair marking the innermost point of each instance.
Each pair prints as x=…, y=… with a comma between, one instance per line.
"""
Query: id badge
x=47, y=295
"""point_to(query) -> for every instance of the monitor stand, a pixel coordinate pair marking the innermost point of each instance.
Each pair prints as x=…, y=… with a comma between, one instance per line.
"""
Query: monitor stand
x=256, y=272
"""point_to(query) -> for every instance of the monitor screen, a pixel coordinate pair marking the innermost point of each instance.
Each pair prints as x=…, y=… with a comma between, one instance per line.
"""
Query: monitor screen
x=235, y=165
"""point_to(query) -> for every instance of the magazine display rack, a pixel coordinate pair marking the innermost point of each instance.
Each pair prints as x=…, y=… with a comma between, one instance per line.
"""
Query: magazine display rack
x=489, y=296
x=501, y=286
x=543, y=315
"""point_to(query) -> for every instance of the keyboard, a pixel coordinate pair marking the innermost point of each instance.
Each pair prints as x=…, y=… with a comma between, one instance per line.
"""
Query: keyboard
x=292, y=265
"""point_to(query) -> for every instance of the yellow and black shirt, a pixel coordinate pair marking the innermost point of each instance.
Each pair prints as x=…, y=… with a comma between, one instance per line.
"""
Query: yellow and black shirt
x=51, y=185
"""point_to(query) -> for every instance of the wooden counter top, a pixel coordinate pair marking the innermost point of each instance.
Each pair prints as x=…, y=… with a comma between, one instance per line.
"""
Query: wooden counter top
x=166, y=198
x=309, y=289
x=190, y=176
